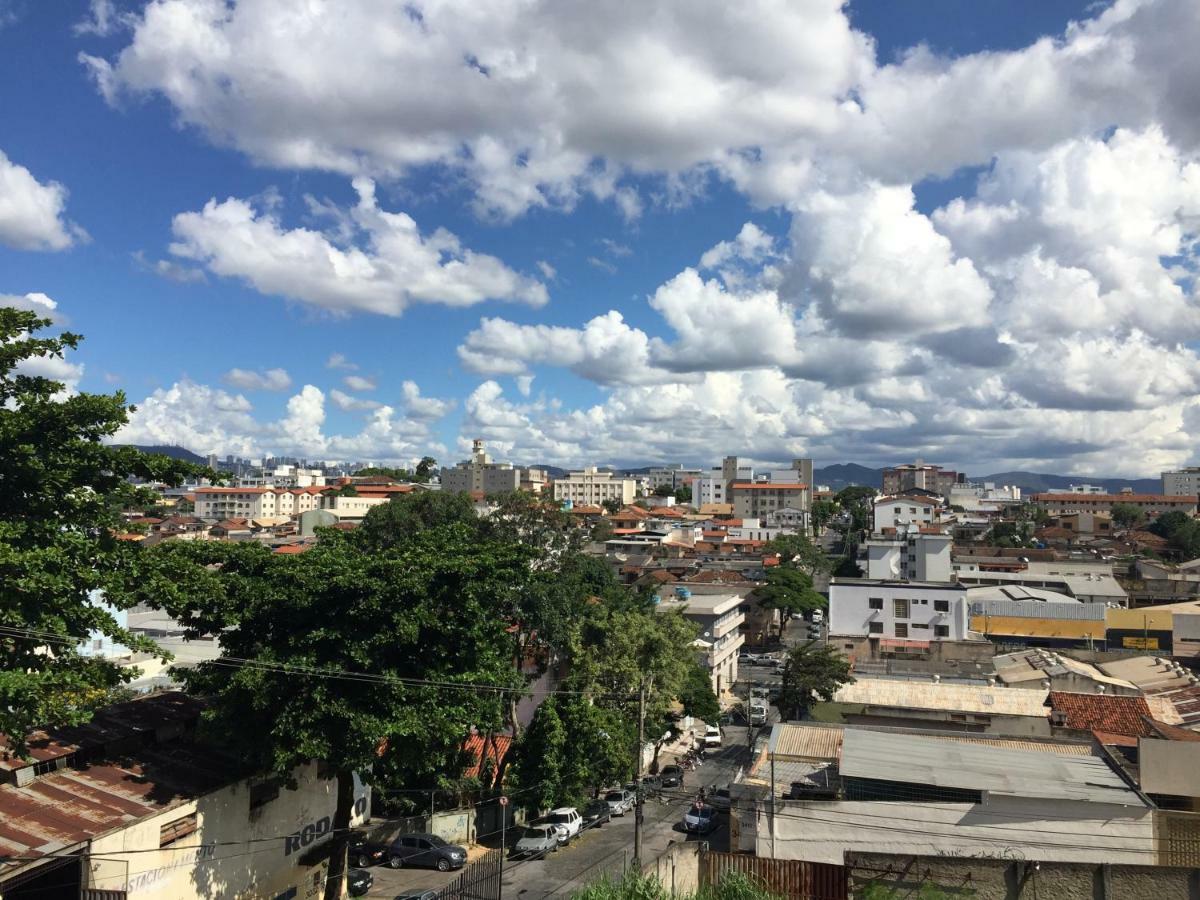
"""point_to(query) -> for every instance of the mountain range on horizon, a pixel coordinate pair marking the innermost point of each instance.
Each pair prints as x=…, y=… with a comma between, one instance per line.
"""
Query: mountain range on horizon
x=841, y=475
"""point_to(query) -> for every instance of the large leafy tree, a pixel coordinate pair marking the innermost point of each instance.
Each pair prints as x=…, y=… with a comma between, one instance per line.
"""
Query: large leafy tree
x=810, y=670
x=697, y=696
x=62, y=490
x=396, y=523
x=797, y=551
x=416, y=624
x=789, y=590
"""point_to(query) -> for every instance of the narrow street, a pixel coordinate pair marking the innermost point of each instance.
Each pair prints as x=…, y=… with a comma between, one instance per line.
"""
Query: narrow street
x=600, y=851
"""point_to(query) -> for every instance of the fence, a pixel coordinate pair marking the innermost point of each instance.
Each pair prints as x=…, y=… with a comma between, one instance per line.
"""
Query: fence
x=478, y=881
x=790, y=878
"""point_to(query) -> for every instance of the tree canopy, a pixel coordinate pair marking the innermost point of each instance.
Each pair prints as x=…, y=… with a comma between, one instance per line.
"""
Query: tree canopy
x=62, y=490
x=811, y=669
x=1125, y=515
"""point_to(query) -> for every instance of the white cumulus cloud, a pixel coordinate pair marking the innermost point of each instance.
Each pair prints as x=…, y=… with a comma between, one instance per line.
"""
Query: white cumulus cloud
x=33, y=213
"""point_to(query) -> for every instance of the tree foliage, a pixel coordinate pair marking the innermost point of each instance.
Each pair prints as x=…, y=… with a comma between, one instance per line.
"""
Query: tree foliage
x=1125, y=515
x=398, y=521
x=61, y=494
x=636, y=886
x=697, y=697
x=797, y=551
x=1181, y=532
x=811, y=669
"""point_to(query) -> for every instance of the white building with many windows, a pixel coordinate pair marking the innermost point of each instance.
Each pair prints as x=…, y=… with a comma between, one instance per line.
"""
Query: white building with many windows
x=1181, y=481
x=910, y=555
x=592, y=487
x=898, y=610
x=720, y=617
x=893, y=512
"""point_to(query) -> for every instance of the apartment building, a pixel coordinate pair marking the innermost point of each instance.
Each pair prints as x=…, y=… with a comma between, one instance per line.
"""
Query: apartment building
x=673, y=476
x=760, y=499
x=592, y=487
x=1181, y=481
x=216, y=503
x=480, y=474
x=910, y=555
x=1153, y=505
x=921, y=476
x=906, y=511
x=720, y=619
x=898, y=610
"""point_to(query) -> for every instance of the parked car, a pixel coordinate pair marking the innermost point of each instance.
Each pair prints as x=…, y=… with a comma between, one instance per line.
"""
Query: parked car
x=747, y=658
x=363, y=852
x=651, y=784
x=425, y=850
x=359, y=881
x=566, y=816
x=818, y=616
x=536, y=841
x=620, y=801
x=672, y=776
x=712, y=736
x=771, y=662
x=700, y=819
x=595, y=813
x=719, y=799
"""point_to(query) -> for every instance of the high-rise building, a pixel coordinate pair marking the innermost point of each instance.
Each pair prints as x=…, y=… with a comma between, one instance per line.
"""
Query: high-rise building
x=921, y=476
x=479, y=473
x=1181, y=481
x=592, y=487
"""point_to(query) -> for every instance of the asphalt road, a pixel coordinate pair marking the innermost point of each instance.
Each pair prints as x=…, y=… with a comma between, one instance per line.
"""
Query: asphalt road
x=600, y=851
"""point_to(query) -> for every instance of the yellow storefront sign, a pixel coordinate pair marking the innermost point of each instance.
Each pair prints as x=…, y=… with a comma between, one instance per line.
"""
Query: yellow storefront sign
x=1142, y=643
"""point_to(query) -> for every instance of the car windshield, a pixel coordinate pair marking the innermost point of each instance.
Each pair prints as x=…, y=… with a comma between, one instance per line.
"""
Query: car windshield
x=436, y=841
x=537, y=832
x=558, y=817
x=615, y=795
x=700, y=812
x=671, y=770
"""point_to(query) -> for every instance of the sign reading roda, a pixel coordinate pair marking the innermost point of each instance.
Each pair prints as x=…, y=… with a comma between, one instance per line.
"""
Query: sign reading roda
x=317, y=829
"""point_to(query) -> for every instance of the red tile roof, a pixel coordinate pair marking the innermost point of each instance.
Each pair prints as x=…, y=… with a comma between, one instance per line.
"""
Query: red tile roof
x=586, y=511
x=292, y=548
x=478, y=747
x=1103, y=712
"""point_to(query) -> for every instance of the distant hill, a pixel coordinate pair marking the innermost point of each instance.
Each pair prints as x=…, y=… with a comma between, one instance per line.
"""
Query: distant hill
x=174, y=452
x=845, y=474
x=1036, y=482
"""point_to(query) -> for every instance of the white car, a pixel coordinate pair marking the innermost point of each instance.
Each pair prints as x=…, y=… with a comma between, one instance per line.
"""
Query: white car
x=818, y=616
x=619, y=801
x=758, y=713
x=568, y=817
x=700, y=819
x=712, y=736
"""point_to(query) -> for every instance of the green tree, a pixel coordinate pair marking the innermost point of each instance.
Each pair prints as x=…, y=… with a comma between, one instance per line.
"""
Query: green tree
x=1125, y=515
x=697, y=697
x=612, y=506
x=847, y=568
x=347, y=490
x=856, y=500
x=797, y=551
x=385, y=472
x=1168, y=523
x=683, y=494
x=410, y=621
x=541, y=759
x=424, y=469
x=789, y=591
x=397, y=522
x=823, y=512
x=61, y=495
x=636, y=886
x=810, y=669
x=663, y=490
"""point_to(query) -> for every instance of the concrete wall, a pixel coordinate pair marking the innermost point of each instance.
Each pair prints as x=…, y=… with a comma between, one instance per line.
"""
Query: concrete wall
x=1008, y=879
x=1169, y=767
x=210, y=862
x=850, y=611
x=678, y=869
x=858, y=647
x=1016, y=828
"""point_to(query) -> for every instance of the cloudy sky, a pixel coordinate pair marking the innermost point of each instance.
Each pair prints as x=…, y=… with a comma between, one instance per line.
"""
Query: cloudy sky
x=599, y=231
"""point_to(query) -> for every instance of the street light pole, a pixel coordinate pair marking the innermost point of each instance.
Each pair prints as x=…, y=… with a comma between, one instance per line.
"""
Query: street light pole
x=637, y=818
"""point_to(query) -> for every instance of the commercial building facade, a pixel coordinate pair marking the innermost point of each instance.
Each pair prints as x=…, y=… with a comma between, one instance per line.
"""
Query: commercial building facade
x=592, y=487
x=480, y=474
x=920, y=476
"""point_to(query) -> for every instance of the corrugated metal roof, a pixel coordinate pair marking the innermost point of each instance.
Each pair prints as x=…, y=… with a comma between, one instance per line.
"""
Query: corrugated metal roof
x=912, y=759
x=1000, y=701
x=800, y=742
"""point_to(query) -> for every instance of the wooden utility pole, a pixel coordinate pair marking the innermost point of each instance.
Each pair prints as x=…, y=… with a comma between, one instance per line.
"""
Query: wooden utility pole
x=637, y=818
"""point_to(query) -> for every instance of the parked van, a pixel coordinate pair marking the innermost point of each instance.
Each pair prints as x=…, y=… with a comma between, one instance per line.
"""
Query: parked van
x=758, y=713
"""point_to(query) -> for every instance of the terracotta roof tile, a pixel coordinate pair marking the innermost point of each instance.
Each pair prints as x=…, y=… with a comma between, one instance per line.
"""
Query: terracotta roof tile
x=478, y=748
x=1103, y=712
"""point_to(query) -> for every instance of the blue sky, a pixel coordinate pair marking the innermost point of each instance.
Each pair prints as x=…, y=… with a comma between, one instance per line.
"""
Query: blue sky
x=901, y=166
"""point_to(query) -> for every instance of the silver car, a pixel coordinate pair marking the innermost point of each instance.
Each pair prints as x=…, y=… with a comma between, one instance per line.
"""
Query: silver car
x=536, y=841
x=620, y=802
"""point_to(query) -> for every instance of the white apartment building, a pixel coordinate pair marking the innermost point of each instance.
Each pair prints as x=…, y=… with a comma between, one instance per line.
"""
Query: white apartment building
x=592, y=487
x=894, y=512
x=479, y=473
x=789, y=517
x=898, y=610
x=985, y=495
x=1181, y=481
x=910, y=556
x=708, y=489
x=1086, y=489
x=719, y=618
x=351, y=509
x=759, y=499
x=216, y=503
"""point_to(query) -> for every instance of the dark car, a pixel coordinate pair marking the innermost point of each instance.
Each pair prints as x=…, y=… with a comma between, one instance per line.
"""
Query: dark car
x=363, y=852
x=359, y=881
x=596, y=814
x=425, y=850
x=672, y=776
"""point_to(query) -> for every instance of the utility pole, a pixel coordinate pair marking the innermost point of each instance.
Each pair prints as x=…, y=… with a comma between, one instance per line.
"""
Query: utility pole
x=637, y=818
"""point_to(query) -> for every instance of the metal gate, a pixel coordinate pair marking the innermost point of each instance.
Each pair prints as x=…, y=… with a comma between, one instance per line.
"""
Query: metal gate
x=478, y=881
x=792, y=878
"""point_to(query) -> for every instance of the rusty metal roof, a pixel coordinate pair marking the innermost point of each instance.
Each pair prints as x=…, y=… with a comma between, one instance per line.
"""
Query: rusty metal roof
x=152, y=770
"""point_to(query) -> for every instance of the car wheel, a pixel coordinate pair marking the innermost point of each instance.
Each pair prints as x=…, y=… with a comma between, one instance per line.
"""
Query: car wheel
x=395, y=862
x=363, y=861
x=443, y=864
x=554, y=849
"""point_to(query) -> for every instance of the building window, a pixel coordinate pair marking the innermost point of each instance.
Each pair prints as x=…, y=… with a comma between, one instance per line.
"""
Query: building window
x=874, y=628
x=176, y=829
x=941, y=631
x=919, y=627
x=900, y=609
x=875, y=603
x=941, y=606
x=901, y=629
